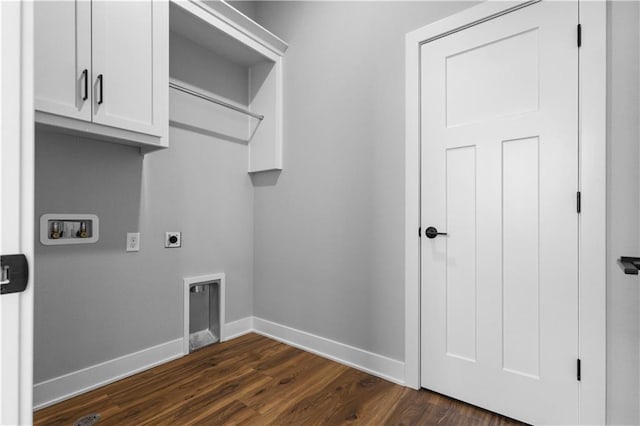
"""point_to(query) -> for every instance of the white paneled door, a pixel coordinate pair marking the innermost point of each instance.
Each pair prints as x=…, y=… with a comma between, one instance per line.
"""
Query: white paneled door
x=499, y=143
x=16, y=211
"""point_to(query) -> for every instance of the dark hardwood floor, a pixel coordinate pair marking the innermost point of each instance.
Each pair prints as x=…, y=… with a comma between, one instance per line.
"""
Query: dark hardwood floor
x=254, y=380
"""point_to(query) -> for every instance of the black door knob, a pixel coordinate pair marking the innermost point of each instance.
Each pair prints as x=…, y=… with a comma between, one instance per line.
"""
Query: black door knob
x=432, y=232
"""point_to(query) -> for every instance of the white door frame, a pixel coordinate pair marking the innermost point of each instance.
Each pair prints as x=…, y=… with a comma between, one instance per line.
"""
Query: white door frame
x=17, y=222
x=592, y=151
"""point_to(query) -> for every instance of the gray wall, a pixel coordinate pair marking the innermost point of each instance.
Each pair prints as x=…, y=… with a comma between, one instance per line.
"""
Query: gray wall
x=96, y=302
x=328, y=237
x=623, y=211
x=329, y=250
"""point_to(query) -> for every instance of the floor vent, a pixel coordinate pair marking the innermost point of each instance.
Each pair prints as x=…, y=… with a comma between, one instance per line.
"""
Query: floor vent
x=89, y=420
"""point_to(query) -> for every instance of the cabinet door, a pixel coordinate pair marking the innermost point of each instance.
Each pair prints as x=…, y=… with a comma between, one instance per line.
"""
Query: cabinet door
x=63, y=58
x=130, y=65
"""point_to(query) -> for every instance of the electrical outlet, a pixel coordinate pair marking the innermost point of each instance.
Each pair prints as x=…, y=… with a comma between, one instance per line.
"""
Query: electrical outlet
x=173, y=239
x=133, y=241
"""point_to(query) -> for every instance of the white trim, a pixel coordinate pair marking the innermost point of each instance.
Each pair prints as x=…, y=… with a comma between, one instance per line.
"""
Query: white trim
x=75, y=127
x=592, y=303
x=237, y=328
x=69, y=385
x=216, y=19
x=241, y=27
x=245, y=24
x=593, y=136
x=412, y=213
x=27, y=221
x=187, y=282
x=369, y=362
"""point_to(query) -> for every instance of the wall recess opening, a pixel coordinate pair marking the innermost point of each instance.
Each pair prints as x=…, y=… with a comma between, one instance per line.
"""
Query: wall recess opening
x=203, y=311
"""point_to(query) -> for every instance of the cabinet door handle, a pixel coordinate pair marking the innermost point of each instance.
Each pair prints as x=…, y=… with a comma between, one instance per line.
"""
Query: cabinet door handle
x=101, y=97
x=85, y=78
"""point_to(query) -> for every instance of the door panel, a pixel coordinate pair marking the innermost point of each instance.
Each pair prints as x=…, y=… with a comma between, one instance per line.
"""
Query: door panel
x=124, y=36
x=499, y=322
x=520, y=239
x=461, y=278
x=498, y=85
x=63, y=52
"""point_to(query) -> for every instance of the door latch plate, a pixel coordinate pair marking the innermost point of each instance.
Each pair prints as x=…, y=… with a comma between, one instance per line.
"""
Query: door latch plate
x=14, y=273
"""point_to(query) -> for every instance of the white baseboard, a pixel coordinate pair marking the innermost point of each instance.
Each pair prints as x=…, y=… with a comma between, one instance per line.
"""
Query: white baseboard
x=237, y=328
x=64, y=387
x=369, y=362
x=69, y=385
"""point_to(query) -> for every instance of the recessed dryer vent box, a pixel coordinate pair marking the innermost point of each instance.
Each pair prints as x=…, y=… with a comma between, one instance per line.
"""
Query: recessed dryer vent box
x=203, y=311
x=68, y=228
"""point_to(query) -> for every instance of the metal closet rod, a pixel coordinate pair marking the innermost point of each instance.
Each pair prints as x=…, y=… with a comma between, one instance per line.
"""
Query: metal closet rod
x=214, y=100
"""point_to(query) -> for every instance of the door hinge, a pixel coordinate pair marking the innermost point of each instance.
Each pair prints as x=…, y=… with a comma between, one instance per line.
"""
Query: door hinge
x=578, y=370
x=578, y=202
x=579, y=35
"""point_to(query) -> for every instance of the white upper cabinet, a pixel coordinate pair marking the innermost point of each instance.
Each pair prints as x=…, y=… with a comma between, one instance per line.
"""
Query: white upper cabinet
x=102, y=69
x=63, y=58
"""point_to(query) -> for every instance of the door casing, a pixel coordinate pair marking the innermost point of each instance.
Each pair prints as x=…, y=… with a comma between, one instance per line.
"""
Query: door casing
x=592, y=182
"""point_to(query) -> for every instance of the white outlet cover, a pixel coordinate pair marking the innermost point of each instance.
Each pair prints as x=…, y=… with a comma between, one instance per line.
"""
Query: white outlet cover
x=167, y=239
x=133, y=241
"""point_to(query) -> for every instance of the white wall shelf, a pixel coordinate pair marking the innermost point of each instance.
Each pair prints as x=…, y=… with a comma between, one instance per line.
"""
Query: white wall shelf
x=228, y=34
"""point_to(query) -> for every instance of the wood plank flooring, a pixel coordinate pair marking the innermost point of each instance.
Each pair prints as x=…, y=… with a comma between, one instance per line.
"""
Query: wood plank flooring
x=253, y=380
